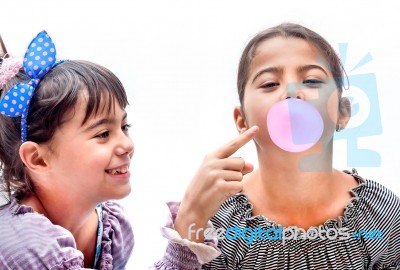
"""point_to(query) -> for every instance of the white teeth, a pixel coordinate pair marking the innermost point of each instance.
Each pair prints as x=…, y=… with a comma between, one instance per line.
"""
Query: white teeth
x=118, y=170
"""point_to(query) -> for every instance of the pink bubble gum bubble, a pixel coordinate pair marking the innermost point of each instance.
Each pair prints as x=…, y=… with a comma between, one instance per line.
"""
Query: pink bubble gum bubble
x=294, y=125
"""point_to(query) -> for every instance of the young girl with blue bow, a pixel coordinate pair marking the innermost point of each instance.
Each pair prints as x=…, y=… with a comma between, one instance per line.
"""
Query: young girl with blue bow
x=65, y=153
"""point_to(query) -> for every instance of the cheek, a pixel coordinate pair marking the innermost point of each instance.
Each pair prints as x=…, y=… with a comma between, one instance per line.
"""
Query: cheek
x=257, y=106
x=256, y=109
x=256, y=114
x=332, y=107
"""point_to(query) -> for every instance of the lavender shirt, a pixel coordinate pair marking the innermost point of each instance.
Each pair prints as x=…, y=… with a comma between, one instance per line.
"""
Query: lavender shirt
x=30, y=241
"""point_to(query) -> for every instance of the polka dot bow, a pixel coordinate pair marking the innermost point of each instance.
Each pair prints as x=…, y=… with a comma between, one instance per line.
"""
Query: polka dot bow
x=39, y=58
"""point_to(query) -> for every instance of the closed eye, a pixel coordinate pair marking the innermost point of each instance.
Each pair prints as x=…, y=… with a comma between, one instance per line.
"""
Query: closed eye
x=270, y=85
x=313, y=83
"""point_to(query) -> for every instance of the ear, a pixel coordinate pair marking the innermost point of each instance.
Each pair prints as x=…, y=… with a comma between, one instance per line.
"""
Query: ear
x=344, y=112
x=32, y=155
x=240, y=119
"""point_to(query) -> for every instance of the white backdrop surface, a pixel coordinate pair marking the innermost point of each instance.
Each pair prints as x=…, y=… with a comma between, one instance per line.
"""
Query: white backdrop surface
x=178, y=62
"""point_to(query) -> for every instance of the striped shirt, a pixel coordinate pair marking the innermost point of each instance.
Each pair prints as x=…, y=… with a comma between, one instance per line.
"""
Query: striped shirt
x=372, y=208
x=30, y=241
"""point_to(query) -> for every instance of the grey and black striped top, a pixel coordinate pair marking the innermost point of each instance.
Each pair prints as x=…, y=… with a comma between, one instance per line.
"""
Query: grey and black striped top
x=373, y=208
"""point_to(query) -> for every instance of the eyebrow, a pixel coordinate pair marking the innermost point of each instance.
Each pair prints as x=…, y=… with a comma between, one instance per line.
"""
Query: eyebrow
x=309, y=67
x=103, y=121
x=267, y=70
x=280, y=70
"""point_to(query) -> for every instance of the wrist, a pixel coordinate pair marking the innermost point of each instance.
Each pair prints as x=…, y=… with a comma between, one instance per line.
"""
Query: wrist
x=190, y=225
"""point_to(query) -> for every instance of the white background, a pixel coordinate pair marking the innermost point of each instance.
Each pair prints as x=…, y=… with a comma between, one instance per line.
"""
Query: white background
x=178, y=62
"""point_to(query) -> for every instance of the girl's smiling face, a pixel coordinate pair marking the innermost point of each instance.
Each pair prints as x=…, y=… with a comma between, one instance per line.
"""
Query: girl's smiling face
x=288, y=67
x=92, y=160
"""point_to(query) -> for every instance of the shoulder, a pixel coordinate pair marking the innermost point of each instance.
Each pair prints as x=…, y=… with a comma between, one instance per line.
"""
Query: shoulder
x=30, y=241
x=114, y=208
x=377, y=200
x=235, y=210
x=378, y=210
x=117, y=238
x=380, y=206
x=114, y=213
x=375, y=205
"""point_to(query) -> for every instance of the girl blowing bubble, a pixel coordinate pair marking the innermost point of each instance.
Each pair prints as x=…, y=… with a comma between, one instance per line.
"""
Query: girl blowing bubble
x=292, y=67
x=64, y=153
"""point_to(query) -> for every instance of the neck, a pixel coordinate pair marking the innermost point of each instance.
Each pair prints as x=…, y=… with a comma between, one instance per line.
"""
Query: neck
x=61, y=211
x=294, y=188
x=296, y=175
x=297, y=184
x=80, y=220
x=316, y=159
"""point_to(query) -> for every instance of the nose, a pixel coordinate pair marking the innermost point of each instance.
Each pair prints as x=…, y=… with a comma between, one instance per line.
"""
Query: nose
x=125, y=145
x=293, y=90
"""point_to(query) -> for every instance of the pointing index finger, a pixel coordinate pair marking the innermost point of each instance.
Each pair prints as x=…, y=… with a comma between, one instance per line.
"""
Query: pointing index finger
x=230, y=148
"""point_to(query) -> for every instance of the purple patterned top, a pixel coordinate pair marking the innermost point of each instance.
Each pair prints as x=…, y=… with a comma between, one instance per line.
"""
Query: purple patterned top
x=30, y=241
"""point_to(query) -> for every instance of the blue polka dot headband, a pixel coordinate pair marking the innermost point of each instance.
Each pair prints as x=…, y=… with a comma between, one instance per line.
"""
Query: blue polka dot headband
x=39, y=58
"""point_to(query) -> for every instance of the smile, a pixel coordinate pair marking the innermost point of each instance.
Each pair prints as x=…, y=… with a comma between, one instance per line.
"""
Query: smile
x=120, y=170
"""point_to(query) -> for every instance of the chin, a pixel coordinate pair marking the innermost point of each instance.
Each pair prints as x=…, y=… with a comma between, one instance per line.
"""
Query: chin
x=120, y=193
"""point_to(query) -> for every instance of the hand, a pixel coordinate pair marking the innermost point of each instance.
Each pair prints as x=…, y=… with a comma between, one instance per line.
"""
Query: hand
x=218, y=178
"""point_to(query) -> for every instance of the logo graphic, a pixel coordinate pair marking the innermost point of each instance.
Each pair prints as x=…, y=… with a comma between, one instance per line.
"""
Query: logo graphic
x=365, y=116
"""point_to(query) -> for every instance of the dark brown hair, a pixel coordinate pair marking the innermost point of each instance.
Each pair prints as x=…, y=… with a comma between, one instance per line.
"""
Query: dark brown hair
x=57, y=94
x=288, y=30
